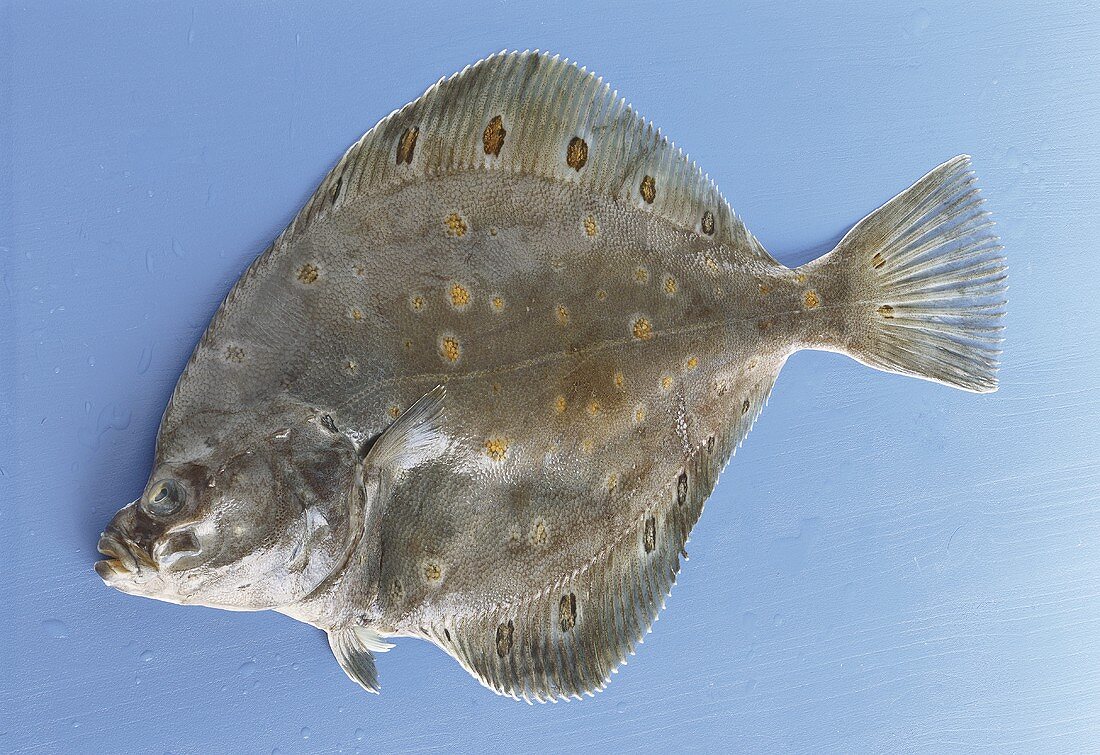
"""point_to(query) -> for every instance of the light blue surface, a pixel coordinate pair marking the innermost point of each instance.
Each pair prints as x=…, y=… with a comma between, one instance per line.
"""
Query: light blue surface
x=887, y=564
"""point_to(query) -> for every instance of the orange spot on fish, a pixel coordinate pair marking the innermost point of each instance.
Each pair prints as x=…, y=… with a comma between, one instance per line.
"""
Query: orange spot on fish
x=450, y=348
x=460, y=296
x=456, y=225
x=496, y=449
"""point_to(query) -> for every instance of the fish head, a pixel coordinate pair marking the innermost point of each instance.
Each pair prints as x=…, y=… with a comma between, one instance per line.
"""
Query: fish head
x=250, y=524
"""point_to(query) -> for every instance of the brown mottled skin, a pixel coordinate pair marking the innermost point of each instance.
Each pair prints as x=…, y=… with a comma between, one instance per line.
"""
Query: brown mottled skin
x=585, y=473
x=474, y=517
x=599, y=359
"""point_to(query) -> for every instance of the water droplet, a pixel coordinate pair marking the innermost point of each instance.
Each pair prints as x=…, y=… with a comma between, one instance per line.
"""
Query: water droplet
x=306, y=732
x=248, y=667
x=919, y=21
x=144, y=360
x=55, y=628
x=146, y=656
x=620, y=707
x=358, y=733
x=111, y=417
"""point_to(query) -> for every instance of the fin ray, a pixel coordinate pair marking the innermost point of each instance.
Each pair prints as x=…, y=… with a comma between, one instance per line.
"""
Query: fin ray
x=415, y=436
x=354, y=648
x=927, y=283
x=566, y=640
x=544, y=102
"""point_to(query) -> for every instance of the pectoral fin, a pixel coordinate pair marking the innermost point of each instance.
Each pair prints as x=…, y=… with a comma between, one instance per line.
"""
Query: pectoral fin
x=417, y=435
x=354, y=648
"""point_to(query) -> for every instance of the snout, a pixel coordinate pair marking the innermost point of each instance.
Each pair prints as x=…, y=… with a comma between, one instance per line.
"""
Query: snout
x=120, y=560
x=126, y=558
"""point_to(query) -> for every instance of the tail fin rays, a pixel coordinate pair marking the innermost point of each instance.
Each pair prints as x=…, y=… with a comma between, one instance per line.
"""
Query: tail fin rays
x=926, y=283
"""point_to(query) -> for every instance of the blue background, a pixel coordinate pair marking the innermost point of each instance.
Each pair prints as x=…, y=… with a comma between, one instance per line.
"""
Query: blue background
x=887, y=564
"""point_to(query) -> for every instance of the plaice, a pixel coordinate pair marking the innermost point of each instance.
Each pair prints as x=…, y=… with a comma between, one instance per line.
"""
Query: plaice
x=480, y=388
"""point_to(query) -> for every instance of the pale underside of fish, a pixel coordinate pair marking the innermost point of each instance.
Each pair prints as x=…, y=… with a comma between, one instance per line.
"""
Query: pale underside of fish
x=479, y=389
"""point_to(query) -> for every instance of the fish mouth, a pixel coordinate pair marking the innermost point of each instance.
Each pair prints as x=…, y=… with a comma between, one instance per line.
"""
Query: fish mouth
x=124, y=558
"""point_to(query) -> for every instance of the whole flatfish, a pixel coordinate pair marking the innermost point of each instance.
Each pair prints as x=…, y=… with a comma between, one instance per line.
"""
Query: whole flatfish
x=479, y=389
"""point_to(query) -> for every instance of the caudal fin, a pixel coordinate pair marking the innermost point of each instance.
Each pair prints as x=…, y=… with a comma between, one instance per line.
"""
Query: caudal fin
x=924, y=283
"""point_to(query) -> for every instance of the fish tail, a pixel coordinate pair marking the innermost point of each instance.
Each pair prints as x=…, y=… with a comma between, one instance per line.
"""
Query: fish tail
x=918, y=286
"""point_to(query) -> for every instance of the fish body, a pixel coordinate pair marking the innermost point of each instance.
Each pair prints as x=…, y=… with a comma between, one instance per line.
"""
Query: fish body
x=480, y=388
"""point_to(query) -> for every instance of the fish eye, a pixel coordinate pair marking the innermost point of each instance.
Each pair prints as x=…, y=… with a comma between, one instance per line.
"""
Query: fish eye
x=165, y=498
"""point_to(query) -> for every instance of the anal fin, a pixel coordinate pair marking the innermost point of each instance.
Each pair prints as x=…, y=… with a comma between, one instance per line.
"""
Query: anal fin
x=565, y=640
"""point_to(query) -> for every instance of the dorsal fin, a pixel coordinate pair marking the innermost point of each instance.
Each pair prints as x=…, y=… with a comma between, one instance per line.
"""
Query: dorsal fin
x=533, y=114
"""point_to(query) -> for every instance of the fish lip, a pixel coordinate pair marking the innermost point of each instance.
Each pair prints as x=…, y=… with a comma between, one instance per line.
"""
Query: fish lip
x=115, y=548
x=124, y=557
x=111, y=570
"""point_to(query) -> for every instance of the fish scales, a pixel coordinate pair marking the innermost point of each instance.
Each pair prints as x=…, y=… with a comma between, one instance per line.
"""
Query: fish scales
x=480, y=388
